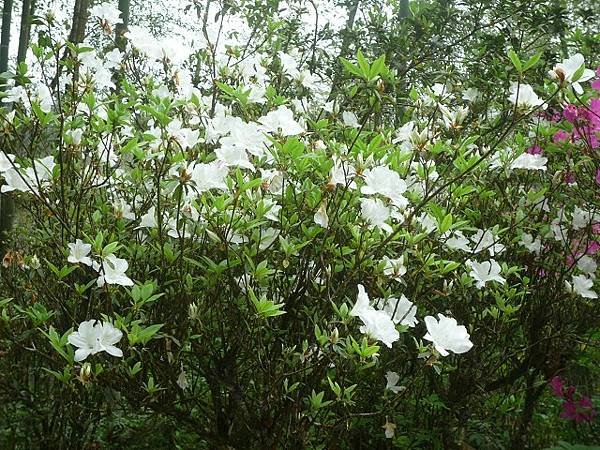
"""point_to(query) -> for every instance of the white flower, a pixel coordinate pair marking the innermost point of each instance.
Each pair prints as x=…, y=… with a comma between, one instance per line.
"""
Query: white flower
x=107, y=12
x=182, y=381
x=484, y=272
x=390, y=429
x=123, y=210
x=342, y=173
x=427, y=222
x=78, y=253
x=6, y=161
x=209, y=176
x=267, y=237
x=457, y=241
x=362, y=302
x=530, y=162
x=582, y=285
x=471, y=95
x=321, y=218
x=376, y=213
x=587, y=265
x=401, y=311
x=381, y=180
x=148, y=220
x=350, y=119
x=281, y=121
x=377, y=324
x=394, y=268
x=485, y=240
x=447, y=335
x=392, y=379
x=565, y=71
x=524, y=96
x=404, y=132
x=581, y=218
x=94, y=337
x=234, y=156
x=530, y=244
x=114, y=271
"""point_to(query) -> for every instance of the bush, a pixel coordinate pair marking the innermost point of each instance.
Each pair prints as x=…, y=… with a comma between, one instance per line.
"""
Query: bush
x=248, y=265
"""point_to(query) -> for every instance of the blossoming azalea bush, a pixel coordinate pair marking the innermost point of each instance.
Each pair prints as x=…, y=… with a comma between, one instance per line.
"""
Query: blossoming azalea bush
x=257, y=261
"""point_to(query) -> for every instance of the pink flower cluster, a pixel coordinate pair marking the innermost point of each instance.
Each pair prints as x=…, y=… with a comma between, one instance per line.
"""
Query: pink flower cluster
x=596, y=83
x=580, y=410
x=586, y=124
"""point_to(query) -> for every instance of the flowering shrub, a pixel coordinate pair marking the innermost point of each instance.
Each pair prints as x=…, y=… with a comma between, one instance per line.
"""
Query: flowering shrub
x=267, y=263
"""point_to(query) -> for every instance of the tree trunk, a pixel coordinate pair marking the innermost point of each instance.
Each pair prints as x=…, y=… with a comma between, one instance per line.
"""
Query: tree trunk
x=5, y=40
x=80, y=18
x=124, y=7
x=26, y=13
x=6, y=204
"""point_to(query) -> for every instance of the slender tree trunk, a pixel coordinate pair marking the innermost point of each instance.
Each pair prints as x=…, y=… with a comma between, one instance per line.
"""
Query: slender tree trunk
x=6, y=204
x=124, y=7
x=5, y=40
x=76, y=36
x=346, y=39
x=24, y=34
x=80, y=18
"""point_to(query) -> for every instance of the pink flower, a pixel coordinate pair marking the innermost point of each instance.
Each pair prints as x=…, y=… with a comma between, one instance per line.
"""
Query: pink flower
x=598, y=176
x=570, y=113
x=535, y=150
x=560, y=136
x=596, y=83
x=581, y=410
x=557, y=385
x=569, y=177
x=592, y=248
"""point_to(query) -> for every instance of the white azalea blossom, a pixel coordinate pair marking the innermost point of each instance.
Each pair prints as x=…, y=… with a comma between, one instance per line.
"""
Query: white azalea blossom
x=384, y=181
x=113, y=271
x=376, y=323
x=533, y=245
x=530, y=162
x=485, y=272
x=350, y=119
x=565, y=71
x=78, y=253
x=524, y=96
x=321, y=217
x=94, y=337
x=7, y=161
x=457, y=241
x=376, y=213
x=402, y=310
x=391, y=382
x=389, y=429
x=447, y=336
x=394, y=268
x=587, y=265
x=582, y=286
x=281, y=121
x=342, y=173
x=485, y=240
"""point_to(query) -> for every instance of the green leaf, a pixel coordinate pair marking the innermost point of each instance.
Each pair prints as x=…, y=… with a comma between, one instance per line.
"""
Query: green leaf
x=515, y=60
x=446, y=223
x=532, y=61
x=266, y=308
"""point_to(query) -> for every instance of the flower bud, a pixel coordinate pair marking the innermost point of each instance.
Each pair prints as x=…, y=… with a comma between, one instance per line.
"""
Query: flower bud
x=85, y=373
